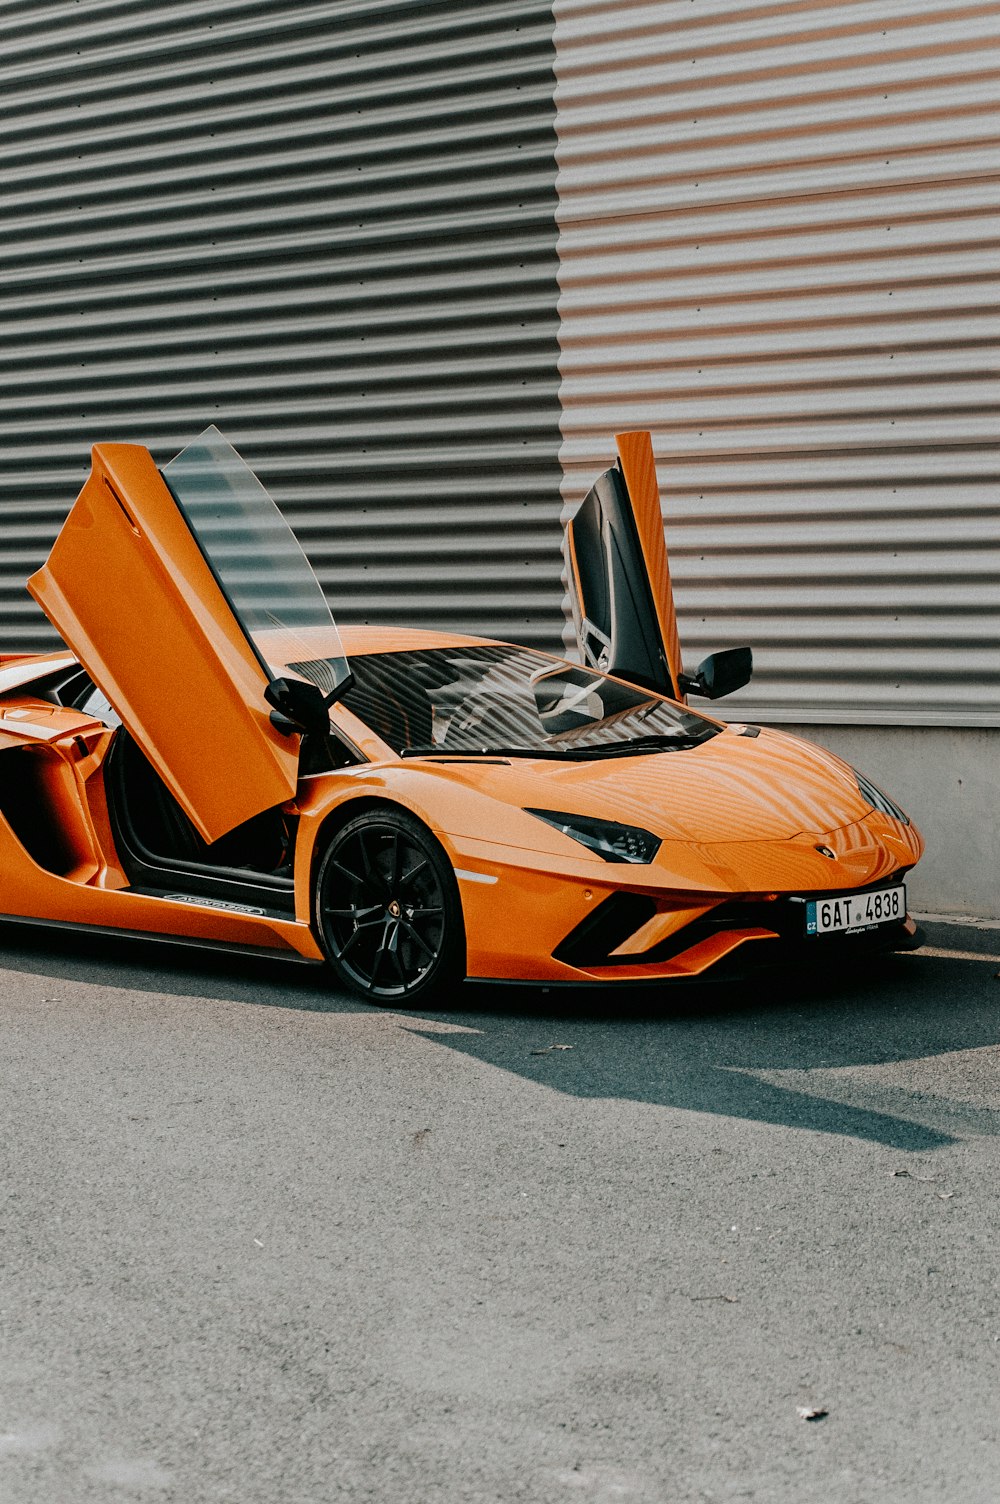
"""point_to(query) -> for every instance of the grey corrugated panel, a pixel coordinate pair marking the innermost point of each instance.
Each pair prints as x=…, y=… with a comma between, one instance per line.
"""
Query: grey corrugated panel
x=779, y=243
x=327, y=227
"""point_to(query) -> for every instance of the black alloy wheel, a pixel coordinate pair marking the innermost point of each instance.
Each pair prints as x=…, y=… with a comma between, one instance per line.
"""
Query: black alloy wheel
x=387, y=909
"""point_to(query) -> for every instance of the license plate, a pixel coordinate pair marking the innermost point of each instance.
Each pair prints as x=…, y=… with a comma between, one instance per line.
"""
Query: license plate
x=855, y=911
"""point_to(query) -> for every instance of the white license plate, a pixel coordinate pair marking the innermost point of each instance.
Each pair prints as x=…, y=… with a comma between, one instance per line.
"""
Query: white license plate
x=855, y=911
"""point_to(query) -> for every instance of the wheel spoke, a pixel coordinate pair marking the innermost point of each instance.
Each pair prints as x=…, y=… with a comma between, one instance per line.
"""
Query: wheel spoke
x=385, y=954
x=381, y=956
x=374, y=881
x=424, y=911
x=359, y=882
x=393, y=949
x=349, y=943
x=356, y=912
x=407, y=877
x=415, y=935
x=395, y=863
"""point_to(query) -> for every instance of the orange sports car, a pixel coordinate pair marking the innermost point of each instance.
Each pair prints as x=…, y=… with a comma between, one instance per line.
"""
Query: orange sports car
x=210, y=760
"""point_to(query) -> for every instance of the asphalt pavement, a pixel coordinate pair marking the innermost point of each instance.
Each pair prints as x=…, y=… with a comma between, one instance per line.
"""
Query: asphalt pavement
x=262, y=1244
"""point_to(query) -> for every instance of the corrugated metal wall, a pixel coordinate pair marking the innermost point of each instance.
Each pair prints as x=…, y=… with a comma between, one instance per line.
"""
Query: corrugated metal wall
x=780, y=250
x=327, y=227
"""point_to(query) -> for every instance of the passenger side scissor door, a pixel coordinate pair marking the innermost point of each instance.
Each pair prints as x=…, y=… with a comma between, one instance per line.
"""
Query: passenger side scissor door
x=619, y=576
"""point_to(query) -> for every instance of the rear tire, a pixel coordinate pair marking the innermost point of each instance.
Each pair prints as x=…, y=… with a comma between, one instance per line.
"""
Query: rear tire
x=387, y=910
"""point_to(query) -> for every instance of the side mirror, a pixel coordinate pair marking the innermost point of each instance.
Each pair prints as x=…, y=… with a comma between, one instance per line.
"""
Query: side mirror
x=301, y=706
x=720, y=674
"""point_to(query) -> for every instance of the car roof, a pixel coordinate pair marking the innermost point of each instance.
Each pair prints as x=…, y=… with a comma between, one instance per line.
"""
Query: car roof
x=287, y=647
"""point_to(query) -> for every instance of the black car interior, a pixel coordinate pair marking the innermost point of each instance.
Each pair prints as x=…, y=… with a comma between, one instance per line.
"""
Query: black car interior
x=156, y=842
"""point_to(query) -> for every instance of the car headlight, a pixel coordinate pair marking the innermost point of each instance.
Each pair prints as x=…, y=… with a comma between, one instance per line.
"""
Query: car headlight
x=613, y=842
x=875, y=797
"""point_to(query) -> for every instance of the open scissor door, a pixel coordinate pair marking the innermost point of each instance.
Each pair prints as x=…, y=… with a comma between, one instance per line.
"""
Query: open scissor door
x=619, y=577
x=160, y=583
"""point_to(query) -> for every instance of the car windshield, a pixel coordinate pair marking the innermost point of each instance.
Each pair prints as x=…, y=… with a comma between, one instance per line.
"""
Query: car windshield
x=254, y=555
x=513, y=700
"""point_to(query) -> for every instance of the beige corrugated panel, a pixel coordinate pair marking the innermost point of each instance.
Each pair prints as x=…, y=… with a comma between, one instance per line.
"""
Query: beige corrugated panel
x=327, y=227
x=780, y=250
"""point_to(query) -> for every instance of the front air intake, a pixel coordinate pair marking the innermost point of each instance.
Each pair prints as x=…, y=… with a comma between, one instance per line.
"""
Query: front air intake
x=603, y=930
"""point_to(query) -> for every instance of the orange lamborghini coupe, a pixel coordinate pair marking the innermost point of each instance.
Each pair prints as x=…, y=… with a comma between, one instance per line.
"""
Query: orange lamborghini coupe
x=210, y=760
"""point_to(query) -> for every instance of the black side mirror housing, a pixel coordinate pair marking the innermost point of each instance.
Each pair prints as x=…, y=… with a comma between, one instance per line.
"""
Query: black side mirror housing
x=301, y=706
x=720, y=674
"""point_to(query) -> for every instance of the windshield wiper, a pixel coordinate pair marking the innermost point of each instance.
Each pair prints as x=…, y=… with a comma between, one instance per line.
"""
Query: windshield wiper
x=479, y=752
x=635, y=747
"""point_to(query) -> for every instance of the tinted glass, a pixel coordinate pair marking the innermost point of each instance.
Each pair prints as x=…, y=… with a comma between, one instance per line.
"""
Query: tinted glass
x=613, y=608
x=252, y=551
x=474, y=698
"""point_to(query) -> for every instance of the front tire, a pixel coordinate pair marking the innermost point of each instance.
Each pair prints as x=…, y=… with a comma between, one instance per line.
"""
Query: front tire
x=387, y=909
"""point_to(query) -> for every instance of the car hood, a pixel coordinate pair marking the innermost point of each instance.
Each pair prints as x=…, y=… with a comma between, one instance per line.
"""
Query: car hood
x=731, y=788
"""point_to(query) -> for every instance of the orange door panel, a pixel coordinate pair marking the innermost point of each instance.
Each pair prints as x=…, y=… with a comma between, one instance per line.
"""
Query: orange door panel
x=129, y=590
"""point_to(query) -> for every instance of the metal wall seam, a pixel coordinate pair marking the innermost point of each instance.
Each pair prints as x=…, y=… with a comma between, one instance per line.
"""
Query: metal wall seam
x=778, y=243
x=328, y=228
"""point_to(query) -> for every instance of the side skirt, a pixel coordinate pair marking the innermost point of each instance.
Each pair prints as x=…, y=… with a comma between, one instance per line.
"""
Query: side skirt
x=196, y=943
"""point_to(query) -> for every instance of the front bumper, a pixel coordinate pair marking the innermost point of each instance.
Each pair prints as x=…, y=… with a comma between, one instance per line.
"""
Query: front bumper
x=622, y=937
x=534, y=927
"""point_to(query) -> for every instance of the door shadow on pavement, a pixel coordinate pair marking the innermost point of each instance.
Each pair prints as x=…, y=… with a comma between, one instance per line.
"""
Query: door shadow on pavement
x=848, y=1053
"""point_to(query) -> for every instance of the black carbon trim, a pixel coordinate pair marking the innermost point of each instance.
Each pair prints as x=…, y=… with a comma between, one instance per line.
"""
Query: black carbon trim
x=603, y=930
x=785, y=916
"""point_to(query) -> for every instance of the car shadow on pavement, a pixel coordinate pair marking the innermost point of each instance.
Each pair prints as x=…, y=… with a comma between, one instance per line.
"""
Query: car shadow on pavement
x=171, y=969
x=876, y=1055
x=848, y=1052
